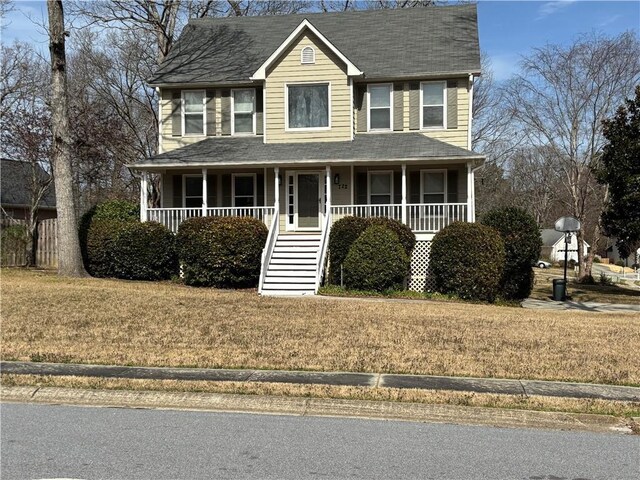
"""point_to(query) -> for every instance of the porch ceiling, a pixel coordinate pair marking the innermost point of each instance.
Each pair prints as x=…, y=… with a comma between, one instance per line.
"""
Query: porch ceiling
x=365, y=148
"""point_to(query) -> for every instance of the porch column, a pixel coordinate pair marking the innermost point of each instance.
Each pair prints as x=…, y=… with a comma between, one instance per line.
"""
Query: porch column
x=205, y=198
x=473, y=195
x=144, y=180
x=276, y=191
x=404, y=193
x=469, y=194
x=327, y=207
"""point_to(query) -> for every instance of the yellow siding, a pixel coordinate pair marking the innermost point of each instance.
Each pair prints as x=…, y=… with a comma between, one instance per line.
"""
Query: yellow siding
x=288, y=69
x=456, y=136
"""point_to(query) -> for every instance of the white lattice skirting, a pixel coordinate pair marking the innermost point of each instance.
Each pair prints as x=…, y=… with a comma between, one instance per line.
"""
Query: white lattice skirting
x=420, y=280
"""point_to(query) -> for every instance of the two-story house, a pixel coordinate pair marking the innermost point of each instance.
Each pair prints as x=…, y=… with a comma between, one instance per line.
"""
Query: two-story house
x=299, y=120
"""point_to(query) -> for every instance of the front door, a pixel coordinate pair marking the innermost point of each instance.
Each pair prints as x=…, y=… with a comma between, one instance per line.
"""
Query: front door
x=307, y=200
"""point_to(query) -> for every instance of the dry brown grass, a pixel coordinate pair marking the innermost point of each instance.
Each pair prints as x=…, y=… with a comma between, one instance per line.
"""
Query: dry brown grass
x=162, y=324
x=626, y=294
x=552, y=404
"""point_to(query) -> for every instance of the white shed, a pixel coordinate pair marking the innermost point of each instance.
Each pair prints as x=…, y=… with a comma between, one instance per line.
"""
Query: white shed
x=553, y=246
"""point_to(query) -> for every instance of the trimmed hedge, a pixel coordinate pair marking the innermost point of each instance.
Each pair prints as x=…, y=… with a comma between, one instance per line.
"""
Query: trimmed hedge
x=467, y=259
x=346, y=231
x=221, y=252
x=522, y=245
x=98, y=253
x=376, y=261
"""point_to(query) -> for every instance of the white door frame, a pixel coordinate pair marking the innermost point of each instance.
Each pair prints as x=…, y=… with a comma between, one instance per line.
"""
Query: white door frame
x=321, y=195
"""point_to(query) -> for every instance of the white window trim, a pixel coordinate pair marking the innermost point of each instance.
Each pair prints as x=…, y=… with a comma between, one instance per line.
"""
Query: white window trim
x=369, y=129
x=379, y=172
x=446, y=182
x=286, y=107
x=184, y=189
x=444, y=106
x=233, y=112
x=313, y=55
x=204, y=113
x=233, y=188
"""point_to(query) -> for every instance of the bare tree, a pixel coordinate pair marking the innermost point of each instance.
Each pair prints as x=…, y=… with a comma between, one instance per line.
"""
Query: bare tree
x=69, y=256
x=560, y=99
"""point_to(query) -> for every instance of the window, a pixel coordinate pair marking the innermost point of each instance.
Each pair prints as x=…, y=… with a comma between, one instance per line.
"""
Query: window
x=243, y=108
x=308, y=106
x=192, y=188
x=244, y=190
x=380, y=188
x=308, y=55
x=434, y=186
x=380, y=107
x=193, y=112
x=433, y=109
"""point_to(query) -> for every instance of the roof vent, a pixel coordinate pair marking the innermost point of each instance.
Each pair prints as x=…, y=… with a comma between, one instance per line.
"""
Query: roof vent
x=308, y=55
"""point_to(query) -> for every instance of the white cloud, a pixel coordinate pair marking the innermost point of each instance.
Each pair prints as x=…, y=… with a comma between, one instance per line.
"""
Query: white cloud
x=549, y=8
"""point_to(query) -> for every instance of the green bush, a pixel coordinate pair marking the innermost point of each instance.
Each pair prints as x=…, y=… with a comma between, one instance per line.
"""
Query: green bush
x=98, y=253
x=376, y=261
x=467, y=259
x=620, y=263
x=522, y=245
x=221, y=252
x=116, y=210
x=346, y=231
x=144, y=251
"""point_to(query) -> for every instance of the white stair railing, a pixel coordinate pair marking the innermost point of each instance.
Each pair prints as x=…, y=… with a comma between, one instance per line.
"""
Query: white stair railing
x=267, y=252
x=324, y=244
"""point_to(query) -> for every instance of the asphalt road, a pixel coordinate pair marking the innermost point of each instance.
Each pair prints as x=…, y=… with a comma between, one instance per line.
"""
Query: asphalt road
x=41, y=441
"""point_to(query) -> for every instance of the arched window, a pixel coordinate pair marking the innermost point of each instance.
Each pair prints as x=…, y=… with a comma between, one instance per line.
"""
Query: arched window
x=308, y=55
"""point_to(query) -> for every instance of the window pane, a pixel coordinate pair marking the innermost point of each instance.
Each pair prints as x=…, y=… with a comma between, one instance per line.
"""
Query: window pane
x=193, y=187
x=193, y=202
x=193, y=124
x=380, y=96
x=432, y=94
x=380, y=184
x=433, y=198
x=380, y=118
x=244, y=186
x=244, y=201
x=380, y=199
x=434, y=182
x=243, y=123
x=308, y=106
x=243, y=101
x=193, y=101
x=432, y=117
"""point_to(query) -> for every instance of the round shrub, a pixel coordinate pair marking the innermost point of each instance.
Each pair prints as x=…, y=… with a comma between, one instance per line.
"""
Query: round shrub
x=98, y=251
x=522, y=245
x=467, y=259
x=144, y=251
x=343, y=233
x=405, y=234
x=221, y=252
x=376, y=261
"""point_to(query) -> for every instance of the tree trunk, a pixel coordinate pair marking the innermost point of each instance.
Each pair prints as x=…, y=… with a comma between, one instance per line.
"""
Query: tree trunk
x=69, y=257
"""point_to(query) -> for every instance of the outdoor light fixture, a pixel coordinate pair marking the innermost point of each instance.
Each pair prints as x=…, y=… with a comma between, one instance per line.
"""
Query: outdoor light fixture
x=336, y=178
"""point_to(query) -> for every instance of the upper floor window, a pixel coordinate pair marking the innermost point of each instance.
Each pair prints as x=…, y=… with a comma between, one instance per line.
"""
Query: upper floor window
x=244, y=109
x=193, y=112
x=380, y=107
x=308, y=55
x=308, y=106
x=432, y=103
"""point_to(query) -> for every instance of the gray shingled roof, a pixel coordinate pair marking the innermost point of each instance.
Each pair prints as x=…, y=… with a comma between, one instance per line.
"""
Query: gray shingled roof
x=550, y=237
x=364, y=148
x=16, y=181
x=382, y=43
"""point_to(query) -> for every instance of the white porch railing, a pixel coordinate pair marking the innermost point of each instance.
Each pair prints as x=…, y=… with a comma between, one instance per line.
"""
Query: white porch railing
x=324, y=244
x=421, y=217
x=173, y=217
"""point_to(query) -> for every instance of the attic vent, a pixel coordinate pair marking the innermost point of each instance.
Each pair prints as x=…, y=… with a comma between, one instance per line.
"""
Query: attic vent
x=308, y=55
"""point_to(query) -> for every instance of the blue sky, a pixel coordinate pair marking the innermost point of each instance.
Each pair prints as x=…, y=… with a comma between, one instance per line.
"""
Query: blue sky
x=508, y=29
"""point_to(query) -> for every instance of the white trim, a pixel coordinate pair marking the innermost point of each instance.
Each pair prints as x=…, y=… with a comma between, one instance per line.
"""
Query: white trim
x=433, y=170
x=313, y=55
x=321, y=192
x=379, y=172
x=369, y=129
x=160, y=120
x=233, y=187
x=264, y=112
x=469, y=200
x=204, y=113
x=233, y=112
x=471, y=82
x=205, y=200
x=353, y=109
x=286, y=107
x=261, y=72
x=404, y=193
x=444, y=106
x=144, y=197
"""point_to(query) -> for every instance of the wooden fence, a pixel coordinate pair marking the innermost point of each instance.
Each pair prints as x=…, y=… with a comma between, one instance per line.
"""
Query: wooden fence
x=14, y=243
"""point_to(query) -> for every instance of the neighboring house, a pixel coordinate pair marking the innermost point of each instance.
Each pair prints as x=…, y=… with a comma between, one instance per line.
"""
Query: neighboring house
x=15, y=193
x=613, y=255
x=299, y=120
x=553, y=246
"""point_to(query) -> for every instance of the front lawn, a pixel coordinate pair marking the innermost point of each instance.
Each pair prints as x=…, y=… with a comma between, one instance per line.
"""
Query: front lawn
x=47, y=318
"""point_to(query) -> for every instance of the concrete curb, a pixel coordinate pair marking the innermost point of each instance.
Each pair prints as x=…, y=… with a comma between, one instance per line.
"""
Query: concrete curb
x=318, y=407
x=424, y=382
